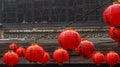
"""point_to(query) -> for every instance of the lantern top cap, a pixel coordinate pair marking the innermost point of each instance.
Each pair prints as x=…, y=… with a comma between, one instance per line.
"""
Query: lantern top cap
x=68, y=28
x=83, y=39
x=60, y=48
x=21, y=46
x=98, y=52
x=10, y=51
x=34, y=44
x=116, y=2
x=112, y=51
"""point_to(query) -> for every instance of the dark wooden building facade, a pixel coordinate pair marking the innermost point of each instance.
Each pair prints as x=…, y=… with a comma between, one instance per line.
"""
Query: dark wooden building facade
x=52, y=12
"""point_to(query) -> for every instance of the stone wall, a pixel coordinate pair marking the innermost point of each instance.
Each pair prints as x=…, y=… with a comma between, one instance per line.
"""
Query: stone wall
x=52, y=33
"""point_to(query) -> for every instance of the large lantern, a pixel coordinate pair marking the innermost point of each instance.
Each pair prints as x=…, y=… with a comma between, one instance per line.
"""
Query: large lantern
x=112, y=58
x=85, y=49
x=69, y=39
x=45, y=58
x=10, y=58
x=60, y=55
x=34, y=53
x=13, y=46
x=98, y=58
x=111, y=15
x=114, y=33
x=21, y=51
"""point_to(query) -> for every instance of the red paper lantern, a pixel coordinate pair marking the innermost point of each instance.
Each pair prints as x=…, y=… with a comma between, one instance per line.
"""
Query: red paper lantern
x=85, y=49
x=21, y=51
x=114, y=33
x=111, y=15
x=34, y=53
x=112, y=58
x=60, y=55
x=10, y=58
x=13, y=46
x=69, y=39
x=98, y=58
x=45, y=58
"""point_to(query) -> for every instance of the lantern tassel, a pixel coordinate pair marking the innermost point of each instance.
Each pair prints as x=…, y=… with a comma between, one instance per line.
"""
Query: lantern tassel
x=60, y=64
x=35, y=62
x=118, y=43
x=98, y=65
x=11, y=66
x=43, y=64
x=69, y=56
x=111, y=66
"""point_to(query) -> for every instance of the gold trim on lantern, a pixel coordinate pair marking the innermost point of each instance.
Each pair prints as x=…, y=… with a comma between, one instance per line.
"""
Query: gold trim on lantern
x=10, y=51
x=68, y=28
x=97, y=52
x=116, y=2
x=34, y=44
x=84, y=39
x=111, y=51
x=60, y=48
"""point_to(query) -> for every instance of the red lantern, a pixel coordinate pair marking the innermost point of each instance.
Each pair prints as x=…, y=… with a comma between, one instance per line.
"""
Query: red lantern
x=69, y=39
x=85, y=49
x=34, y=53
x=13, y=46
x=10, y=58
x=112, y=58
x=21, y=51
x=98, y=58
x=60, y=55
x=114, y=33
x=45, y=58
x=111, y=15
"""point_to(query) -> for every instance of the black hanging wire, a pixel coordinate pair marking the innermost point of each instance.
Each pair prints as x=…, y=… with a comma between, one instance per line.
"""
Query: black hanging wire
x=67, y=25
x=70, y=23
x=84, y=16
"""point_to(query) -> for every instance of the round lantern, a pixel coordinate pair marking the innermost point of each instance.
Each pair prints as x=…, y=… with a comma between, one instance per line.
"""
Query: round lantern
x=112, y=58
x=114, y=33
x=21, y=51
x=60, y=55
x=69, y=39
x=85, y=49
x=10, y=58
x=34, y=53
x=13, y=46
x=45, y=58
x=111, y=15
x=98, y=58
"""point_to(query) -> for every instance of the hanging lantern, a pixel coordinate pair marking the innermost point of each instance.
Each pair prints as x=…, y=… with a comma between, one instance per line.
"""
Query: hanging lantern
x=85, y=49
x=111, y=15
x=10, y=58
x=98, y=58
x=34, y=53
x=60, y=55
x=13, y=46
x=114, y=33
x=112, y=58
x=45, y=58
x=21, y=51
x=69, y=39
